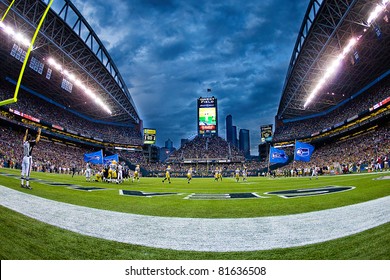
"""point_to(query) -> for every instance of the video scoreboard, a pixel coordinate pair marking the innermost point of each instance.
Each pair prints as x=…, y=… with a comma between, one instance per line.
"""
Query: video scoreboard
x=207, y=116
x=149, y=136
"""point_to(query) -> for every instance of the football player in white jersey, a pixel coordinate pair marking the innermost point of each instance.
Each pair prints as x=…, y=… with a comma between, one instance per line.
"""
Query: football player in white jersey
x=314, y=172
x=244, y=173
x=88, y=172
x=120, y=173
x=28, y=145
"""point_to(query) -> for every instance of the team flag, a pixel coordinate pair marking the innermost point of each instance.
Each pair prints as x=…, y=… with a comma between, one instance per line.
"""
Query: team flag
x=303, y=151
x=277, y=156
x=95, y=158
x=109, y=159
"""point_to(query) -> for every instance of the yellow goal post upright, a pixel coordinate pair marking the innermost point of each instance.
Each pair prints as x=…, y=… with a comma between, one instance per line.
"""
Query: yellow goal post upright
x=15, y=98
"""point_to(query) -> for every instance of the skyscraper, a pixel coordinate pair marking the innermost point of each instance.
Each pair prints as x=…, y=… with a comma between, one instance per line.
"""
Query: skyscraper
x=229, y=129
x=169, y=144
x=234, y=133
x=244, y=144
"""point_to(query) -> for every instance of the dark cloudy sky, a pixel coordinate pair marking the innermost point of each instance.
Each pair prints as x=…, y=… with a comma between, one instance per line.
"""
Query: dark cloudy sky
x=169, y=52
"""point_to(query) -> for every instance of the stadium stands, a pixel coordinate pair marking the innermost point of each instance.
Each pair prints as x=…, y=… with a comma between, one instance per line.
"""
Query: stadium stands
x=33, y=106
x=304, y=128
x=354, y=154
x=48, y=156
x=207, y=148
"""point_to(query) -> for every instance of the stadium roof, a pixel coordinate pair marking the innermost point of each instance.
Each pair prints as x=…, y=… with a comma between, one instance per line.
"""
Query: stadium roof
x=327, y=28
x=67, y=37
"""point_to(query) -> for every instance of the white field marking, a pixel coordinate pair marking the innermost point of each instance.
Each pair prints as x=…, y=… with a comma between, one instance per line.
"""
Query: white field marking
x=203, y=234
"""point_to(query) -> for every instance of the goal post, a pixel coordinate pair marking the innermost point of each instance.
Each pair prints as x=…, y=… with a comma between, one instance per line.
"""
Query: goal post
x=15, y=98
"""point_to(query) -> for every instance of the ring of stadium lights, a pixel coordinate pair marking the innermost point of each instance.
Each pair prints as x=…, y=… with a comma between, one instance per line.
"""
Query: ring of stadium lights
x=25, y=42
x=17, y=36
x=379, y=8
x=77, y=82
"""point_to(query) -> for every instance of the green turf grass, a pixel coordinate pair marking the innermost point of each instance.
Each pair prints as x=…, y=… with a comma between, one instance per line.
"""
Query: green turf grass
x=25, y=238
x=176, y=206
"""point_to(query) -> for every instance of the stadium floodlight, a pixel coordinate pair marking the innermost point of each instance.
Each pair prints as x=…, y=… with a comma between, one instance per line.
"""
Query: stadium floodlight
x=72, y=78
x=29, y=49
x=18, y=37
x=54, y=63
x=349, y=47
x=51, y=61
x=90, y=93
x=374, y=14
x=9, y=30
x=346, y=50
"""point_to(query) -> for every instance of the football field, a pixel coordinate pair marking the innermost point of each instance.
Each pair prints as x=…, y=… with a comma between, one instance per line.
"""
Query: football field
x=203, y=199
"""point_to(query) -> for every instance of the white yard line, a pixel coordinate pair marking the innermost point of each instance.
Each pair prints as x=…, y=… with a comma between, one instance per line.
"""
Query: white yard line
x=199, y=234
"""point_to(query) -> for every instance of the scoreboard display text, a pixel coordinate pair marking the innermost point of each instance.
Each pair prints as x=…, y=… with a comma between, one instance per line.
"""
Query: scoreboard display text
x=207, y=115
x=266, y=133
x=149, y=136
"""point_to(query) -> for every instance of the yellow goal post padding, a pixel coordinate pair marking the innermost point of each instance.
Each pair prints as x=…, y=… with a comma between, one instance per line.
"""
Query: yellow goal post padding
x=15, y=98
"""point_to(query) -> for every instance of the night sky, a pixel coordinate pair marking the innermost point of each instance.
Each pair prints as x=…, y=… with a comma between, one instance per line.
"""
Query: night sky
x=170, y=52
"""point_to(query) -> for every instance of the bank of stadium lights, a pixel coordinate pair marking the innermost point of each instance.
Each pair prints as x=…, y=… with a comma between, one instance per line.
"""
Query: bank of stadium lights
x=379, y=8
x=78, y=83
x=18, y=37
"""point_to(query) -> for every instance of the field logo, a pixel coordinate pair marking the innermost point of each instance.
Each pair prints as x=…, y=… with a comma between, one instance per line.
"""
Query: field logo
x=143, y=194
x=218, y=196
x=311, y=192
x=383, y=178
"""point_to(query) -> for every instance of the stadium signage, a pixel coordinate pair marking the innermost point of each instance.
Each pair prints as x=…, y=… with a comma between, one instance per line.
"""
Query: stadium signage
x=57, y=127
x=380, y=104
x=207, y=101
x=315, y=133
x=23, y=115
x=207, y=127
x=352, y=118
x=207, y=115
x=72, y=131
x=266, y=133
x=149, y=136
x=311, y=192
x=338, y=124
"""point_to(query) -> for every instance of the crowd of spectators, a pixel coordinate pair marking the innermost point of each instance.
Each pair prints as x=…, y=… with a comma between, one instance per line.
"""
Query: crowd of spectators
x=134, y=157
x=48, y=156
x=207, y=148
x=299, y=129
x=362, y=152
x=50, y=113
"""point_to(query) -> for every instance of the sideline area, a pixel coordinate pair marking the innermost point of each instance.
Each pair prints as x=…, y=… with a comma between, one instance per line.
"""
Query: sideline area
x=200, y=234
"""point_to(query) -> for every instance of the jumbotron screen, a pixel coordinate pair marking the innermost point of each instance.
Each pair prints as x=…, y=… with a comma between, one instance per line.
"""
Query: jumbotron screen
x=149, y=136
x=207, y=115
x=266, y=133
